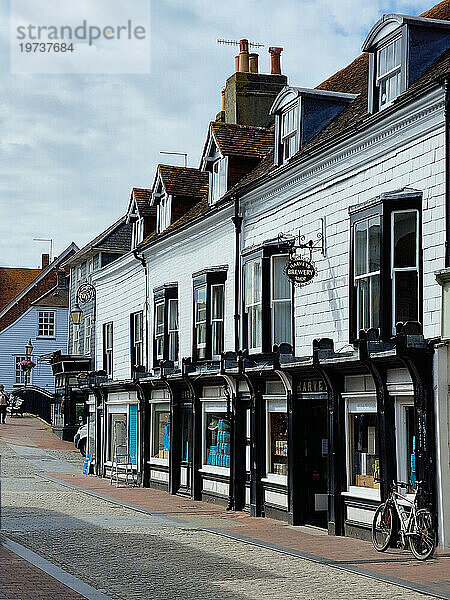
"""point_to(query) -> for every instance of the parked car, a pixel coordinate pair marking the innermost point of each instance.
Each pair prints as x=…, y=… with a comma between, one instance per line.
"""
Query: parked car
x=80, y=439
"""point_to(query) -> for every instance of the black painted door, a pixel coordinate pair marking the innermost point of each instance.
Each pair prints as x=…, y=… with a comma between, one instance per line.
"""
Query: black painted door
x=316, y=463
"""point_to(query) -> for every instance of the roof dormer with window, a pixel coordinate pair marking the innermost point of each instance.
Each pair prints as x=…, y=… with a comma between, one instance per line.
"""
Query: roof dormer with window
x=141, y=215
x=300, y=114
x=400, y=49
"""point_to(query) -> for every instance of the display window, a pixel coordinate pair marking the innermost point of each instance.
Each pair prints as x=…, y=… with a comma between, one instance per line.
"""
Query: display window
x=406, y=443
x=91, y=432
x=277, y=445
x=363, y=449
x=161, y=431
x=217, y=443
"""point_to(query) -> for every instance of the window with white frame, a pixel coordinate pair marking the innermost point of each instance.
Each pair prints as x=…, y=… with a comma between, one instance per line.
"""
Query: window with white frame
x=159, y=330
x=164, y=212
x=160, y=446
x=108, y=348
x=253, y=302
x=173, y=329
x=200, y=294
x=76, y=349
x=367, y=245
x=281, y=300
x=217, y=316
x=362, y=448
x=19, y=372
x=277, y=450
x=406, y=442
x=46, y=324
x=219, y=178
x=389, y=71
x=137, y=341
x=288, y=133
x=216, y=435
x=405, y=265
x=87, y=334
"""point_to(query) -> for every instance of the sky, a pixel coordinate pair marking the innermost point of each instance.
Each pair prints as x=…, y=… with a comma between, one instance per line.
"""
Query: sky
x=73, y=145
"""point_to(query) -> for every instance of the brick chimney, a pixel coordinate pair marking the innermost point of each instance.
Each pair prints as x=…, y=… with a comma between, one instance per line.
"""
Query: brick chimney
x=248, y=94
x=45, y=261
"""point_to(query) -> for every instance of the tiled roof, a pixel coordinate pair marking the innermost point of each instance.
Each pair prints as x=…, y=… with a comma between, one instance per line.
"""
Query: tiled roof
x=184, y=181
x=142, y=198
x=354, y=79
x=55, y=298
x=116, y=238
x=242, y=140
x=13, y=281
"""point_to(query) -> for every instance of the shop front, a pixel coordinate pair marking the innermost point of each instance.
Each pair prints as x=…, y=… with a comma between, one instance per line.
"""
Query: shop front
x=121, y=436
x=159, y=438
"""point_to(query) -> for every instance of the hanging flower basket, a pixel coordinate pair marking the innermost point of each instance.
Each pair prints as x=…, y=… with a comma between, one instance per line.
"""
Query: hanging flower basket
x=27, y=365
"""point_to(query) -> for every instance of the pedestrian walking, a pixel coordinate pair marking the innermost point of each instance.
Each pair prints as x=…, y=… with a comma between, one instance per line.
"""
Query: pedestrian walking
x=3, y=403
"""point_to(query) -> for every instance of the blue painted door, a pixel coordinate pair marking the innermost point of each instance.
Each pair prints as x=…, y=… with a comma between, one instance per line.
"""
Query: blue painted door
x=133, y=433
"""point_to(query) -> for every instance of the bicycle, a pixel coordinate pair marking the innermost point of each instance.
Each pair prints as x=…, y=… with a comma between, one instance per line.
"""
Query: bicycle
x=416, y=525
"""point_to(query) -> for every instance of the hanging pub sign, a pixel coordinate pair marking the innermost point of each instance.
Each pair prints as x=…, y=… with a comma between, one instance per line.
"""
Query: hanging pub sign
x=300, y=270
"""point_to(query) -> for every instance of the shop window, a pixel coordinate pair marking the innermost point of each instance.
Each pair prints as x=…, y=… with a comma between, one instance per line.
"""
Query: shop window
x=137, y=339
x=186, y=434
x=91, y=431
x=386, y=265
x=277, y=425
x=268, y=299
x=108, y=349
x=363, y=450
x=217, y=439
x=46, y=324
x=160, y=431
x=209, y=308
x=406, y=444
x=166, y=329
x=118, y=448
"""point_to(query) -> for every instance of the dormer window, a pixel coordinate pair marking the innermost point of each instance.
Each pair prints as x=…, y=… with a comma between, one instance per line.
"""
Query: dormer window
x=389, y=71
x=137, y=230
x=219, y=179
x=289, y=126
x=164, y=212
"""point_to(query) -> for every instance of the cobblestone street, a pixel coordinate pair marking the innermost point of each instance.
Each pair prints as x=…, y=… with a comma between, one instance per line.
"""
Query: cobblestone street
x=125, y=554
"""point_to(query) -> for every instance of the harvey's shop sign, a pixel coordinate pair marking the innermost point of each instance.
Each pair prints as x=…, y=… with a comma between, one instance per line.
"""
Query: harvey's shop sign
x=300, y=270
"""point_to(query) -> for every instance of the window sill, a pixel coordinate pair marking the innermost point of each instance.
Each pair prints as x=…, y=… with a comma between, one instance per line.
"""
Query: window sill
x=159, y=461
x=273, y=478
x=361, y=492
x=215, y=470
x=46, y=337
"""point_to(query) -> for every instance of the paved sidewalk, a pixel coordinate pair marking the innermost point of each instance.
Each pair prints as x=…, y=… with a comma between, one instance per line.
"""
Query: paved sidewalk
x=19, y=580
x=30, y=431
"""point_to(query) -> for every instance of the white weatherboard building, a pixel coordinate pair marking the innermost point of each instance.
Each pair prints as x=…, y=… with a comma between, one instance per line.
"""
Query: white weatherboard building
x=223, y=380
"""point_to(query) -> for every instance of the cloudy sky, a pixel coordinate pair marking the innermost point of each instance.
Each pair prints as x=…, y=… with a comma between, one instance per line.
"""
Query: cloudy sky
x=72, y=146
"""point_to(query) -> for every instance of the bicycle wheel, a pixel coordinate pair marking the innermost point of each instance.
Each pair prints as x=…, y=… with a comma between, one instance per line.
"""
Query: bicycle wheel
x=382, y=527
x=422, y=540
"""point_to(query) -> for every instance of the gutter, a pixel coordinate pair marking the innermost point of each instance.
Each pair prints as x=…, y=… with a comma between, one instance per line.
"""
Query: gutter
x=143, y=262
x=447, y=169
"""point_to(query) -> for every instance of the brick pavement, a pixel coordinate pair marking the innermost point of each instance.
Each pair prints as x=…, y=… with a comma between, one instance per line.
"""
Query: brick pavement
x=30, y=431
x=19, y=580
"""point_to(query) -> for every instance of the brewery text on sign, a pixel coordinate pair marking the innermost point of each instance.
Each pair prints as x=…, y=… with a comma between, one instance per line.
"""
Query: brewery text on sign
x=300, y=270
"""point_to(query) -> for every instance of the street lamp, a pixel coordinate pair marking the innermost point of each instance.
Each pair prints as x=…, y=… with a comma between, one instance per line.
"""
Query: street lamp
x=85, y=293
x=77, y=314
x=28, y=353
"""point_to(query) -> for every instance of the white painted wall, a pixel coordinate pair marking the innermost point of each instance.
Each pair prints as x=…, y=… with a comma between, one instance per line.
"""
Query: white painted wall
x=406, y=150
x=120, y=291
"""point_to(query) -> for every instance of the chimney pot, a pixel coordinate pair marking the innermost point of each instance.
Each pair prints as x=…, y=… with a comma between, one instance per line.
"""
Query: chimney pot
x=243, y=45
x=253, y=62
x=223, y=100
x=236, y=64
x=243, y=56
x=45, y=260
x=275, y=60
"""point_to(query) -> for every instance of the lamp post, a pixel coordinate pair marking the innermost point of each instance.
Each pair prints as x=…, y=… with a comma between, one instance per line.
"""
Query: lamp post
x=85, y=293
x=28, y=354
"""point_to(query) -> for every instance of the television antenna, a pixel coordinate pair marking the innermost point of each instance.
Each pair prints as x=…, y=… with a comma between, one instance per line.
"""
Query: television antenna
x=46, y=240
x=184, y=154
x=237, y=43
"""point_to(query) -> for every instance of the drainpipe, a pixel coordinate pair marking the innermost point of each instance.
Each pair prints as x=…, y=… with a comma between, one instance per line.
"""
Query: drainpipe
x=143, y=262
x=447, y=170
x=237, y=221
